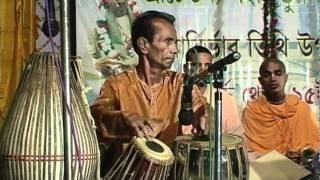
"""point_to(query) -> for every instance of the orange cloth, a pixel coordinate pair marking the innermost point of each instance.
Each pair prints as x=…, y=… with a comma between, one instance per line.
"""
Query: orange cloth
x=126, y=93
x=290, y=126
x=231, y=122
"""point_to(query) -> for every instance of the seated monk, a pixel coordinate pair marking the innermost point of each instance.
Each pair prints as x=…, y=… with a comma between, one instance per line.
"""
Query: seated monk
x=277, y=121
x=200, y=58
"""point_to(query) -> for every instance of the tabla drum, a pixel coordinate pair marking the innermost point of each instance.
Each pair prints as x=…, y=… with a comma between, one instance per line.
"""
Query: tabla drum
x=193, y=158
x=144, y=159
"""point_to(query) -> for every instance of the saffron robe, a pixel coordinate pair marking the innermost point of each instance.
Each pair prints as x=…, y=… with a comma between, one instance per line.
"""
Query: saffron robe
x=290, y=126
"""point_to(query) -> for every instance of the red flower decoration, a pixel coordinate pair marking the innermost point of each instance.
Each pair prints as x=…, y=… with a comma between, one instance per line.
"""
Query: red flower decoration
x=105, y=1
x=274, y=22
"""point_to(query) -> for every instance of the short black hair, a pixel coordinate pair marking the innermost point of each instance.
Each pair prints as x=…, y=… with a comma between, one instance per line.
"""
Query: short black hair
x=268, y=60
x=195, y=50
x=143, y=26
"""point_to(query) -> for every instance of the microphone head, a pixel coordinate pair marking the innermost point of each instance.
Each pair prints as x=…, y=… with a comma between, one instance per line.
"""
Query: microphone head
x=231, y=58
x=237, y=55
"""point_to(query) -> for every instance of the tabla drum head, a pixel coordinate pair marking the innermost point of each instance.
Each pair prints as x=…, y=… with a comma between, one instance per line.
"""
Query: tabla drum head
x=228, y=140
x=155, y=150
x=231, y=140
x=185, y=138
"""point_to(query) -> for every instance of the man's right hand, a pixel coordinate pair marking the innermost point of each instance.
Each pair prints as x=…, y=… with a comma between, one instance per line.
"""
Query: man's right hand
x=140, y=126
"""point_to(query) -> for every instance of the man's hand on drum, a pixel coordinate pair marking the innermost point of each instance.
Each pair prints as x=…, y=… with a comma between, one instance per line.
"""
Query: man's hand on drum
x=141, y=126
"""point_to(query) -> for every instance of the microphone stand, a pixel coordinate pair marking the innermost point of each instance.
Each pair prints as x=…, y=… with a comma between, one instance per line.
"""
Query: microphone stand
x=218, y=84
x=217, y=69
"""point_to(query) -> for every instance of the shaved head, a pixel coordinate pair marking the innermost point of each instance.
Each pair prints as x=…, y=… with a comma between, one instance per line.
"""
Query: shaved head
x=265, y=63
x=273, y=79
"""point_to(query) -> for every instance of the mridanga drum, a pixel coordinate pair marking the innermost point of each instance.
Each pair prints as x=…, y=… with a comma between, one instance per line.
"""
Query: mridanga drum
x=192, y=158
x=144, y=159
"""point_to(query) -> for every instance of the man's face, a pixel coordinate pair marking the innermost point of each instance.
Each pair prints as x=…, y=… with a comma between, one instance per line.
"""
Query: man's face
x=163, y=49
x=273, y=79
x=201, y=60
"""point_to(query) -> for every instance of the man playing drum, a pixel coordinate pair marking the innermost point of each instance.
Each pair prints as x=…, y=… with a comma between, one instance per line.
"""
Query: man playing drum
x=277, y=121
x=145, y=101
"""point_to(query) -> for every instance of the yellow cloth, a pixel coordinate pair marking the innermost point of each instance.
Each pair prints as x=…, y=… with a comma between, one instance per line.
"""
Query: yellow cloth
x=126, y=93
x=290, y=126
x=17, y=40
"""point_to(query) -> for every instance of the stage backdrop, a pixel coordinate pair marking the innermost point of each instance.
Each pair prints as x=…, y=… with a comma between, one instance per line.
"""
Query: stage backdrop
x=224, y=26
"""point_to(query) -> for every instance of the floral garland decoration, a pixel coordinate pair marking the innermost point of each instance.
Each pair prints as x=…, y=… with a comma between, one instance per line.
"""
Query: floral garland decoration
x=270, y=22
x=104, y=42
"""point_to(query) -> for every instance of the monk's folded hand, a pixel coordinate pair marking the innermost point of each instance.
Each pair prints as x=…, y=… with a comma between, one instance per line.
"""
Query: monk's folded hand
x=201, y=120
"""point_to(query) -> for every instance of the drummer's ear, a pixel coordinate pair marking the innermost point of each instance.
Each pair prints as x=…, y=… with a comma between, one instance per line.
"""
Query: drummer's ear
x=143, y=45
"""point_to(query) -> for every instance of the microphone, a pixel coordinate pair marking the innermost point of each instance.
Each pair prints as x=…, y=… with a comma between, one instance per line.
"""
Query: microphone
x=218, y=65
x=231, y=58
x=188, y=69
x=186, y=113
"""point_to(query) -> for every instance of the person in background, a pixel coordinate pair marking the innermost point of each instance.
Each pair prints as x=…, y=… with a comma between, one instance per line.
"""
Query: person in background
x=276, y=120
x=200, y=58
x=145, y=101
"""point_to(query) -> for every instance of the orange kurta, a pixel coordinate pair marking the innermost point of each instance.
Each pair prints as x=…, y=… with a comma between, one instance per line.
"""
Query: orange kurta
x=290, y=126
x=125, y=92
